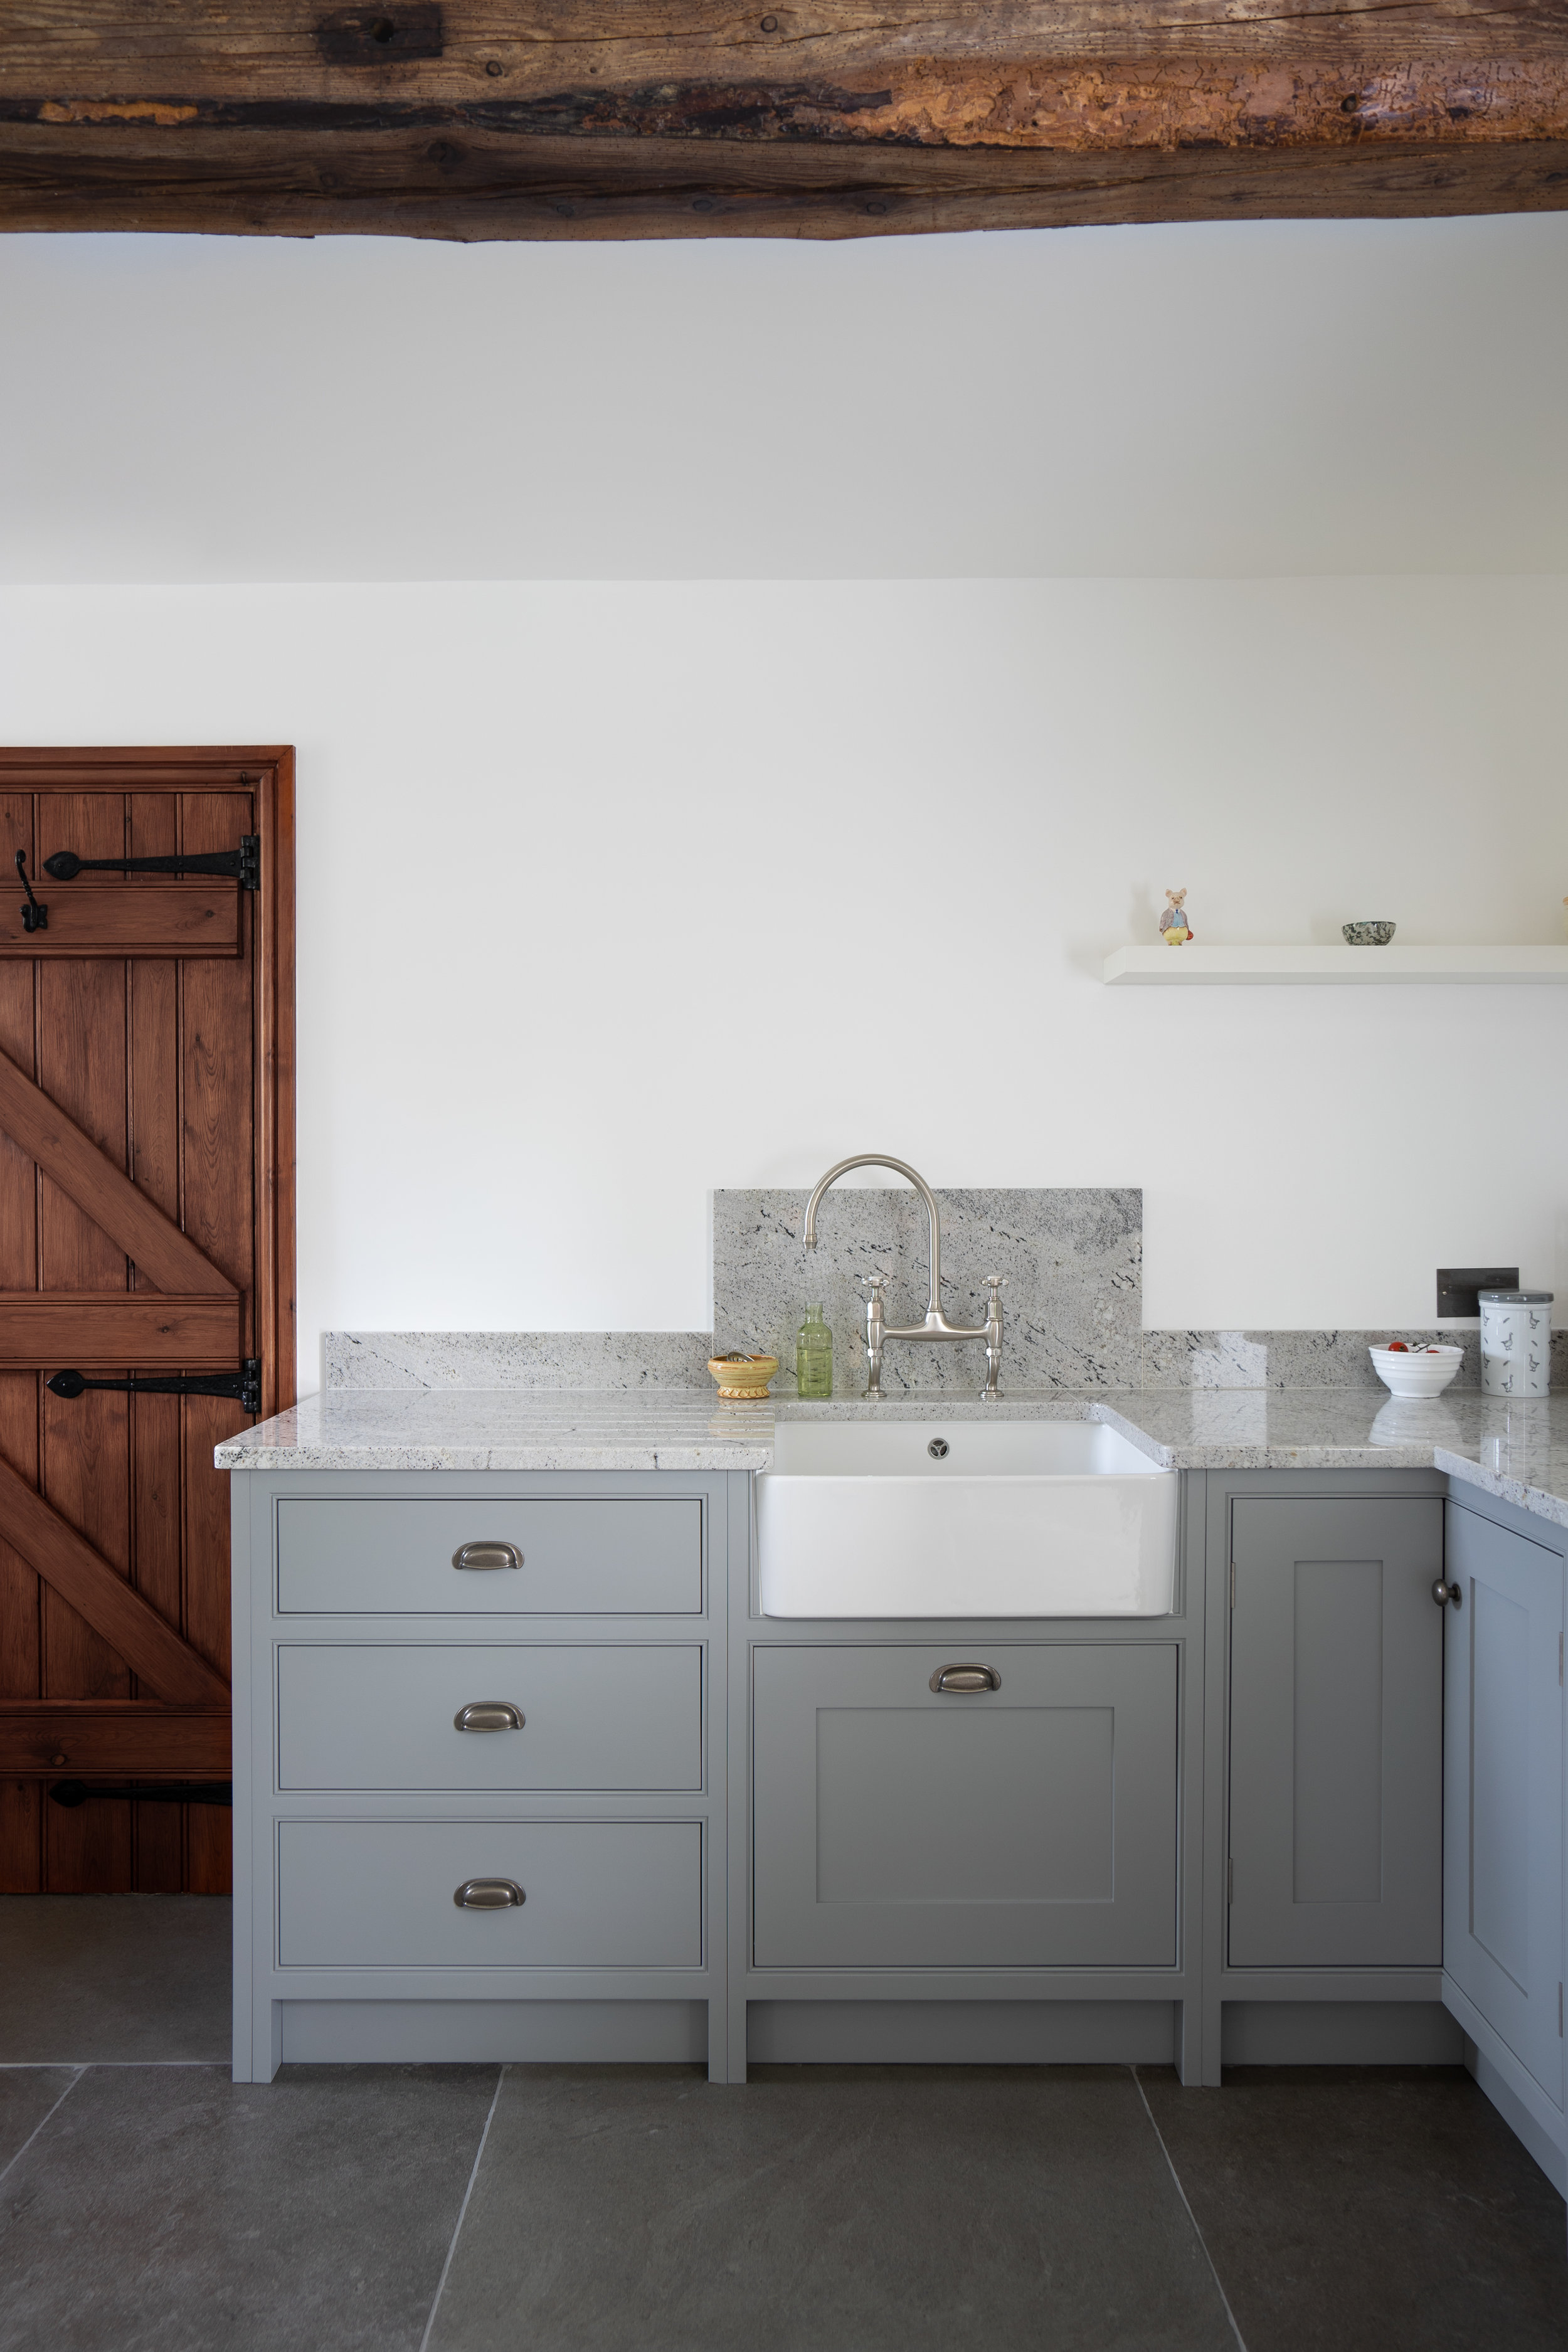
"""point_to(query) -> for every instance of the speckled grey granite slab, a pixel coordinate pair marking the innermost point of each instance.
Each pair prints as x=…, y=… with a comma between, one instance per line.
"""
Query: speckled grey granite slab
x=1234, y=1429
x=600, y=1360
x=1520, y=1455
x=642, y=1361
x=1285, y=1359
x=1300, y=1360
x=679, y=1429
x=1516, y=1451
x=1072, y=1307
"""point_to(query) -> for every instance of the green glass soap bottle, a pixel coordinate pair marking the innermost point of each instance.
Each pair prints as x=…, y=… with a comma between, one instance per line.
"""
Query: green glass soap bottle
x=814, y=1356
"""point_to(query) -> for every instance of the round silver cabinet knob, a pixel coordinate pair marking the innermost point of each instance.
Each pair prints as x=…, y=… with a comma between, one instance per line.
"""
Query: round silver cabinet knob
x=1445, y=1593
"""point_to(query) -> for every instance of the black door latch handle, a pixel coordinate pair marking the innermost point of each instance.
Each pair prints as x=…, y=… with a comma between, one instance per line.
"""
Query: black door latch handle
x=242, y=865
x=243, y=1386
x=35, y=917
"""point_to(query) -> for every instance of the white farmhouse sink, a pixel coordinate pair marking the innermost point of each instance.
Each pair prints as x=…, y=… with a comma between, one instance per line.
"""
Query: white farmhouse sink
x=1018, y=1518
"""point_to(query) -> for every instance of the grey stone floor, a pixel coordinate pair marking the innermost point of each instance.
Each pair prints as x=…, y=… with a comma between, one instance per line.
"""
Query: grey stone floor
x=147, y=2204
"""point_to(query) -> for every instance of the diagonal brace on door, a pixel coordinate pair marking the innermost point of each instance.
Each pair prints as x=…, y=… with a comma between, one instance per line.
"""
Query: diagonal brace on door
x=69, y=1156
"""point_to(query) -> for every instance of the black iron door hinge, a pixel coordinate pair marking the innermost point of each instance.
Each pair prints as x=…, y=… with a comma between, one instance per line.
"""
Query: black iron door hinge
x=243, y=1386
x=242, y=865
x=71, y=1793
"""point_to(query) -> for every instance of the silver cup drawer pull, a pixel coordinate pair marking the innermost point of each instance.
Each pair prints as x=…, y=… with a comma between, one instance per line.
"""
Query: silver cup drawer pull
x=960, y=1681
x=488, y=1895
x=487, y=1555
x=489, y=1715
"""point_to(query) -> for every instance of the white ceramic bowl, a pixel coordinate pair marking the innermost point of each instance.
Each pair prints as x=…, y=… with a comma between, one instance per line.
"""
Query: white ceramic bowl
x=1416, y=1372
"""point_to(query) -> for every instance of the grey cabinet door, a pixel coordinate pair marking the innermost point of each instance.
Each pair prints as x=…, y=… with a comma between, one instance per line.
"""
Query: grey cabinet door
x=1031, y=1826
x=1502, y=1927
x=1336, y=1733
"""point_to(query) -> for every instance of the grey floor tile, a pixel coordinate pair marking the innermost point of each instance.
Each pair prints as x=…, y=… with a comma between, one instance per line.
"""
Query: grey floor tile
x=827, y=2209
x=100, y=1977
x=27, y=2094
x=169, y=2210
x=1376, y=2210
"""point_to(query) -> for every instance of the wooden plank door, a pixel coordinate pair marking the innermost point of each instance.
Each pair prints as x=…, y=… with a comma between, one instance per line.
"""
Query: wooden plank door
x=146, y=1231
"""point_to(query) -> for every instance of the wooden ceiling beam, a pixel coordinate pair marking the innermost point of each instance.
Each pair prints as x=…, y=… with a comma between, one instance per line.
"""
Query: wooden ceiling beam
x=459, y=119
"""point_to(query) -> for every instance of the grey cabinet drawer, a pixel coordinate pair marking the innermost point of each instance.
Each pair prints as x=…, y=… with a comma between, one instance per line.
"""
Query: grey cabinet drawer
x=382, y=1717
x=1034, y=1826
x=599, y=1895
x=636, y=1556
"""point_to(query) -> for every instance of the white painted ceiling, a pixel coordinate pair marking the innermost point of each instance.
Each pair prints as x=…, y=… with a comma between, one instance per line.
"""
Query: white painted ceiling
x=1245, y=398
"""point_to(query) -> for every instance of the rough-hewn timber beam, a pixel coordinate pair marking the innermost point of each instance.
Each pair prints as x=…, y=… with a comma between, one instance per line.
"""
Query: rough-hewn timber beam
x=440, y=119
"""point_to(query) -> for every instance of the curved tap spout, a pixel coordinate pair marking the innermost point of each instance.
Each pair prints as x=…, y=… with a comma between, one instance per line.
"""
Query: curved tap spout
x=900, y=1168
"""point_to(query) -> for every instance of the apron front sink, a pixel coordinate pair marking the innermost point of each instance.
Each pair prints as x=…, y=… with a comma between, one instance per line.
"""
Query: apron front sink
x=1010, y=1518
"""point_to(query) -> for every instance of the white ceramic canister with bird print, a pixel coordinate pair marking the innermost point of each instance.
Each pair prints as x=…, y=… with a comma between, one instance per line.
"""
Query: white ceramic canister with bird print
x=1516, y=1342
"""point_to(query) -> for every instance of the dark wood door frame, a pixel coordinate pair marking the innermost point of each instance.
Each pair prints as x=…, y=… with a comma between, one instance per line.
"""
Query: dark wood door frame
x=177, y=1728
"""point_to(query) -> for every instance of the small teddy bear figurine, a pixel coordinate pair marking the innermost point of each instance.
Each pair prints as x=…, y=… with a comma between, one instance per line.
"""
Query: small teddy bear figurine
x=1175, y=927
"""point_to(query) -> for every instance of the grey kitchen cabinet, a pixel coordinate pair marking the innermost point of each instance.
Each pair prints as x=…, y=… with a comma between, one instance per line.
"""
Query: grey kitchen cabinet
x=480, y=1765
x=1029, y=1825
x=1503, y=1932
x=1335, y=1732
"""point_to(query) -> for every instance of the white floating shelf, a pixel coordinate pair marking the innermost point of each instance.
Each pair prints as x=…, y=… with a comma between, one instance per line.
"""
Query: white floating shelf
x=1205, y=966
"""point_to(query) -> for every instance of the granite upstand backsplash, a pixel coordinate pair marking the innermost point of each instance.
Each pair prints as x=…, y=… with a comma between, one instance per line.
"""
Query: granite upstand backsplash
x=1073, y=1306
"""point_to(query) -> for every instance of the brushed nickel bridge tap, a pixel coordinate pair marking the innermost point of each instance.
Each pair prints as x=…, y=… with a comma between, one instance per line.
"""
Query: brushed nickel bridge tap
x=936, y=1325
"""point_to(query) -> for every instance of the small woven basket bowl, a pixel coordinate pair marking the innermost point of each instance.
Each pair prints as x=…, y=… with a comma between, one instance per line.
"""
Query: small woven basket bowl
x=748, y=1378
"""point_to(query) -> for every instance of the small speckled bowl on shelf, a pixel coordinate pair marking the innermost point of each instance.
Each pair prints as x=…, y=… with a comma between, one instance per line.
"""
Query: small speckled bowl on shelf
x=743, y=1376
x=1368, y=935
x=1415, y=1372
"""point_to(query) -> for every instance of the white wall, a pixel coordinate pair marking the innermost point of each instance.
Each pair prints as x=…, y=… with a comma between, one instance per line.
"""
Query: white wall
x=1257, y=397
x=610, y=894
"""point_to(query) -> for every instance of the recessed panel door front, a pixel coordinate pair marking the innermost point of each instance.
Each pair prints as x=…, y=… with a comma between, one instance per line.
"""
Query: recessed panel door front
x=1502, y=1776
x=1032, y=1824
x=1336, y=1733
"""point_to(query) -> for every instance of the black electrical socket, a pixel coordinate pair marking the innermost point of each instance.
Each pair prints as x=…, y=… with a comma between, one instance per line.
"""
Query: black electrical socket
x=1458, y=1286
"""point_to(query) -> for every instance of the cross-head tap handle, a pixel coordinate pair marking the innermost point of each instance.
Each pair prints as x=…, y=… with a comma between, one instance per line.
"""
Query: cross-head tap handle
x=994, y=1282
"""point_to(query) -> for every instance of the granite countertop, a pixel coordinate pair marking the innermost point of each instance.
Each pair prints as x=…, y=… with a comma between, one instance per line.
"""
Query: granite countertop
x=1519, y=1452
x=508, y=1429
x=1515, y=1450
